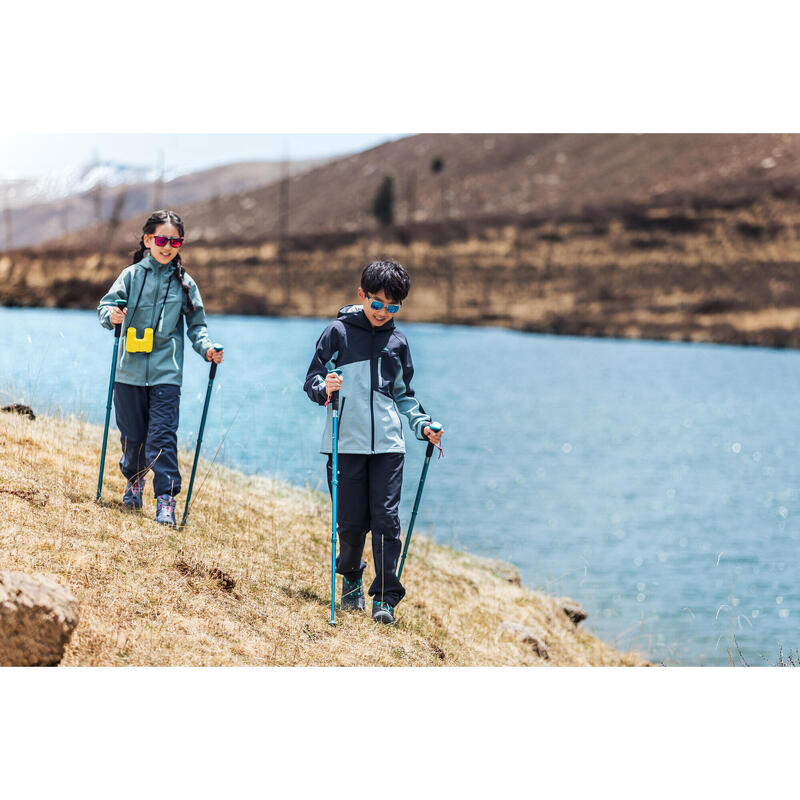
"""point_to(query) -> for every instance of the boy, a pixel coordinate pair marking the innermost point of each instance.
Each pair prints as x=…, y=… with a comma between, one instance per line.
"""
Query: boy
x=374, y=385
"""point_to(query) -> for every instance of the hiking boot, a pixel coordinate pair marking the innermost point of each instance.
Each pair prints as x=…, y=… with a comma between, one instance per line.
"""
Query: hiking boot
x=382, y=612
x=134, y=493
x=165, y=509
x=352, y=595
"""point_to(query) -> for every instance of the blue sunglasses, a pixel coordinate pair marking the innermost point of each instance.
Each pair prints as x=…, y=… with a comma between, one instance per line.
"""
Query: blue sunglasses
x=377, y=305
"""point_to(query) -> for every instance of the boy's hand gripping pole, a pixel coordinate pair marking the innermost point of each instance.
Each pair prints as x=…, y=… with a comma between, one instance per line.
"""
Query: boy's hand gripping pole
x=211, y=374
x=334, y=398
x=117, y=331
x=434, y=426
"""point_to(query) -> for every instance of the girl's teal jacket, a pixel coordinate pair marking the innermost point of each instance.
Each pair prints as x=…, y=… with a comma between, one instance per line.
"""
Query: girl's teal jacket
x=156, y=300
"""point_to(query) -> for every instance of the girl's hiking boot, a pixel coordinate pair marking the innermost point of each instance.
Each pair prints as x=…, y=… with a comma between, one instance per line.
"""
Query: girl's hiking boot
x=352, y=595
x=165, y=509
x=382, y=612
x=134, y=493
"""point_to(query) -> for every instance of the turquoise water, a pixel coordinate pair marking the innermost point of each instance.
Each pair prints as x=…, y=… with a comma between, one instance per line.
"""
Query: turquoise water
x=656, y=483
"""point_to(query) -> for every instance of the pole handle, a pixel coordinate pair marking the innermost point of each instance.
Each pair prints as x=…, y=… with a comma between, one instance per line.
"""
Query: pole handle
x=434, y=426
x=213, y=371
x=118, y=326
x=335, y=395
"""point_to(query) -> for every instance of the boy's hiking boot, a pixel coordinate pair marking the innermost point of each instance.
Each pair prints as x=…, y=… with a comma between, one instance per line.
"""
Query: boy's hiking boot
x=165, y=509
x=352, y=595
x=134, y=493
x=382, y=612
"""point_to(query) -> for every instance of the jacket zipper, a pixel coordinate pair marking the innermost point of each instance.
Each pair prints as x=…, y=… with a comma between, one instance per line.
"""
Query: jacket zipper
x=371, y=390
x=153, y=326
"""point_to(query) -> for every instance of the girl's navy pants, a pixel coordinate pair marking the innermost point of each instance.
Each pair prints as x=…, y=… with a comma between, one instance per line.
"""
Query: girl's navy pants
x=147, y=418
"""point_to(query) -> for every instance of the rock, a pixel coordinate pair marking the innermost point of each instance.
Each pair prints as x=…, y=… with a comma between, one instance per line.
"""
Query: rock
x=502, y=569
x=573, y=610
x=37, y=617
x=17, y=408
x=528, y=636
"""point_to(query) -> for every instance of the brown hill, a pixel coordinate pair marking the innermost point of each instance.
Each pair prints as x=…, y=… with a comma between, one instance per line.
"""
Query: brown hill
x=709, y=254
x=497, y=175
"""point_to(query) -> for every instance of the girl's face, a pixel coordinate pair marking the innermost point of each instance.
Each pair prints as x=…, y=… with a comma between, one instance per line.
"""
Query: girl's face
x=166, y=253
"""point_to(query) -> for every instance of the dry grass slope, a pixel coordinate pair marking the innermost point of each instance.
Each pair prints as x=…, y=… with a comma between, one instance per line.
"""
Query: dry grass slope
x=246, y=582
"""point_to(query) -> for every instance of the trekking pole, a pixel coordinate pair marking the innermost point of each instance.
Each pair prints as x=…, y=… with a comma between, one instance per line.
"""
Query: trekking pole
x=434, y=426
x=117, y=331
x=334, y=494
x=211, y=375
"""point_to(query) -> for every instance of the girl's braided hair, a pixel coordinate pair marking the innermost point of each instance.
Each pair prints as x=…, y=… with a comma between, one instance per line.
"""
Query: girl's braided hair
x=153, y=221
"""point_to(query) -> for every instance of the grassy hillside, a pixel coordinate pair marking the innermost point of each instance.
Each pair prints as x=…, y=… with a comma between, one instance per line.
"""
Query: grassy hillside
x=247, y=581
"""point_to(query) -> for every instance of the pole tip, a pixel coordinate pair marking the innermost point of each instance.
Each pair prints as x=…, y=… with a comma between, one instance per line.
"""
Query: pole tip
x=332, y=624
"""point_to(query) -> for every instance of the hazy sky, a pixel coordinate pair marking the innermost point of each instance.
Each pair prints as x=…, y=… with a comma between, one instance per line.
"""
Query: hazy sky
x=34, y=155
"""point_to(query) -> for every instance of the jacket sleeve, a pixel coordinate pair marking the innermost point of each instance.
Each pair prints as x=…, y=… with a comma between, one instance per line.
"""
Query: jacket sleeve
x=196, y=328
x=404, y=395
x=120, y=290
x=325, y=355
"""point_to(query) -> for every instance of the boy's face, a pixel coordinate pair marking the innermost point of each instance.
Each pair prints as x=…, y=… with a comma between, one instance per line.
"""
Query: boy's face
x=376, y=317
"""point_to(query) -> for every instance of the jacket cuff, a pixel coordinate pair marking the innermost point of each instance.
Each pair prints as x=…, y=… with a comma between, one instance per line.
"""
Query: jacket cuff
x=104, y=313
x=320, y=394
x=201, y=346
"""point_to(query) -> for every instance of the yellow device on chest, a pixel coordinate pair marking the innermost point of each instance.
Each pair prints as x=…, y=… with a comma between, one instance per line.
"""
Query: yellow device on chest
x=133, y=344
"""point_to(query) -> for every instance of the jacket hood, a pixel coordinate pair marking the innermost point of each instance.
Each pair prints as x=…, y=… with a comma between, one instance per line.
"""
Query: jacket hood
x=354, y=315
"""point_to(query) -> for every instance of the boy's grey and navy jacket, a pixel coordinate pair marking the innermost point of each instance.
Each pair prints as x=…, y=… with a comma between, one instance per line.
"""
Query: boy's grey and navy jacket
x=155, y=300
x=376, y=384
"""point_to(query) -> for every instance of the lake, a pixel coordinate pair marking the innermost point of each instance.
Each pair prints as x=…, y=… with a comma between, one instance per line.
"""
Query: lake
x=656, y=483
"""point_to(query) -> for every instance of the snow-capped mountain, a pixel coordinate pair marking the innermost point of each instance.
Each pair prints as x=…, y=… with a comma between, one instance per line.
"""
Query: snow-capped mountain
x=73, y=180
x=34, y=211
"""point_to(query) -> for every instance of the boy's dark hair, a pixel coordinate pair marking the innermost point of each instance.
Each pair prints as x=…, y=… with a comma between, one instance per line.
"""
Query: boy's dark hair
x=153, y=221
x=388, y=276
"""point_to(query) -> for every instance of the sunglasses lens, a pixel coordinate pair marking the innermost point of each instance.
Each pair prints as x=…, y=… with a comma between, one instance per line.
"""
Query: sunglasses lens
x=176, y=243
x=376, y=305
x=160, y=240
x=392, y=309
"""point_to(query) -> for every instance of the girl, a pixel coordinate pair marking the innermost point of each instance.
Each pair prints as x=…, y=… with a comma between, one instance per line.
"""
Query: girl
x=159, y=294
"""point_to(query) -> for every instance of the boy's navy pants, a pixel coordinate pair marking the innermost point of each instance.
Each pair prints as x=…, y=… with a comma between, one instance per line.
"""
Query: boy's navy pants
x=147, y=418
x=368, y=499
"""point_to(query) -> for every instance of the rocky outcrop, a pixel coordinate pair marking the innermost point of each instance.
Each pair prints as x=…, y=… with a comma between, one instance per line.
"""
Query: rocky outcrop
x=573, y=610
x=37, y=618
x=527, y=635
x=18, y=408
